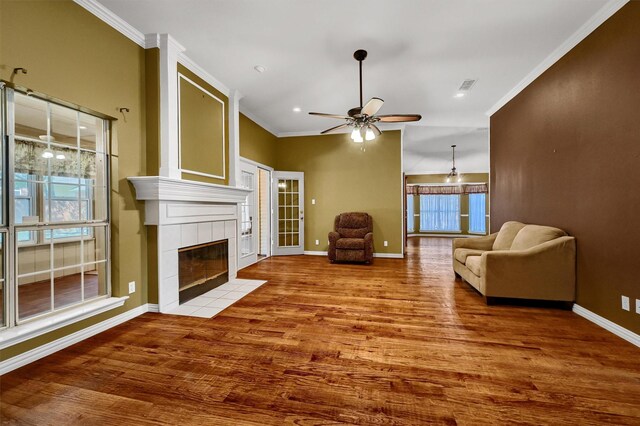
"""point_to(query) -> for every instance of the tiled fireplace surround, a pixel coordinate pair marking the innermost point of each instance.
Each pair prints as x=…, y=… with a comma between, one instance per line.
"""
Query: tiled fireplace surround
x=187, y=213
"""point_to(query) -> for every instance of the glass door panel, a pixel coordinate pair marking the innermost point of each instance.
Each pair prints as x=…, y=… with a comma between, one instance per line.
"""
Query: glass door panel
x=289, y=201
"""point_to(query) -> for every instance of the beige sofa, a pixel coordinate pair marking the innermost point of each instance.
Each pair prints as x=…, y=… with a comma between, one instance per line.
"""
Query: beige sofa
x=519, y=262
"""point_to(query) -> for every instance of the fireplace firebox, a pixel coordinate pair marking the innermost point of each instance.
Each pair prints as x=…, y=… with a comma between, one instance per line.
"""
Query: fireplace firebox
x=201, y=268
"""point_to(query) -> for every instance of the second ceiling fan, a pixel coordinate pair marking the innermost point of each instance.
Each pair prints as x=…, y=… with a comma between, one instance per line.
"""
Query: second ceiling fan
x=363, y=119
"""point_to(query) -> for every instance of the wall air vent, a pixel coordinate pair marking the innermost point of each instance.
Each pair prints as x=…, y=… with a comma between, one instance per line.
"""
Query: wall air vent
x=467, y=85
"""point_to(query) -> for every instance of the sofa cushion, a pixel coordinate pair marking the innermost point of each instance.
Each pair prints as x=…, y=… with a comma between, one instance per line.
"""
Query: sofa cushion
x=473, y=263
x=506, y=235
x=533, y=235
x=350, y=243
x=461, y=254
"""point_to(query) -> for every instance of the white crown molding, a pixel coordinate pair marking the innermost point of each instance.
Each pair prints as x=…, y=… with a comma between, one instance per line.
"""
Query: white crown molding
x=259, y=122
x=113, y=20
x=596, y=20
x=380, y=255
x=71, y=339
x=614, y=328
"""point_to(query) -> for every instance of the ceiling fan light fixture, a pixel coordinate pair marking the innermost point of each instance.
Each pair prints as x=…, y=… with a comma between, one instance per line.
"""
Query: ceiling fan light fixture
x=369, y=135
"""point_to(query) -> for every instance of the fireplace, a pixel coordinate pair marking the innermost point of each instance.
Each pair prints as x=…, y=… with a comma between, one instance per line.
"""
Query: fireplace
x=201, y=268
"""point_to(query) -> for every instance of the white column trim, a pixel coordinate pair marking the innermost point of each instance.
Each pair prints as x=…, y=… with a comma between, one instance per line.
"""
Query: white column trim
x=169, y=140
x=234, y=137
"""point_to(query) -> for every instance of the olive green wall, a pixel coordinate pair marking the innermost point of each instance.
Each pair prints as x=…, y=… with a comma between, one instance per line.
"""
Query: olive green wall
x=464, y=200
x=256, y=143
x=191, y=152
x=342, y=178
x=72, y=55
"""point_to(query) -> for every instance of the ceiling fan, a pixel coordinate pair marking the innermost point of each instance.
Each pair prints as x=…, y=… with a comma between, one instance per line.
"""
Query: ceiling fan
x=363, y=119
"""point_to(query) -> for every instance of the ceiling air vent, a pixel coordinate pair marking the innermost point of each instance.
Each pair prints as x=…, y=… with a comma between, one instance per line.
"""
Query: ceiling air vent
x=467, y=85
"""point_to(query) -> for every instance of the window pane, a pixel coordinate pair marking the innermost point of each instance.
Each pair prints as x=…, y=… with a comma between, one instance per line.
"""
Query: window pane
x=34, y=279
x=67, y=288
x=64, y=126
x=477, y=213
x=410, y=217
x=95, y=280
x=440, y=213
x=95, y=244
x=91, y=133
x=30, y=117
x=67, y=255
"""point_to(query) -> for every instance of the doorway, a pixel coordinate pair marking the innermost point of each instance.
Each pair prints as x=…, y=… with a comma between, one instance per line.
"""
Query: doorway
x=255, y=214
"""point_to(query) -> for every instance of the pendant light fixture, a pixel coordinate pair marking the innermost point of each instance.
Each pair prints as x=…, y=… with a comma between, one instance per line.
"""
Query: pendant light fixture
x=453, y=175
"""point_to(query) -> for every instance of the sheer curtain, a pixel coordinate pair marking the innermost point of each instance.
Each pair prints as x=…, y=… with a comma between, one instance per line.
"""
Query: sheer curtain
x=477, y=212
x=440, y=213
x=411, y=226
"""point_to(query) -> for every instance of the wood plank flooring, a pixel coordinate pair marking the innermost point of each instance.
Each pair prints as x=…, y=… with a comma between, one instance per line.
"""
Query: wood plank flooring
x=396, y=343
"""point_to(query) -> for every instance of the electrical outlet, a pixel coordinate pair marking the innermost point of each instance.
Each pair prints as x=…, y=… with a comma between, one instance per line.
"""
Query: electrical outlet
x=637, y=306
x=625, y=303
x=317, y=242
x=386, y=243
x=132, y=287
x=313, y=201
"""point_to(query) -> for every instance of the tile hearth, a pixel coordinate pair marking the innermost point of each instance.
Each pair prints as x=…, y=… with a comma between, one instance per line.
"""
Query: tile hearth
x=215, y=301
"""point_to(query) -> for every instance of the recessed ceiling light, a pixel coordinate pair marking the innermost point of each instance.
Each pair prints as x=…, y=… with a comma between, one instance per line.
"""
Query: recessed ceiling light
x=260, y=68
x=459, y=95
x=297, y=109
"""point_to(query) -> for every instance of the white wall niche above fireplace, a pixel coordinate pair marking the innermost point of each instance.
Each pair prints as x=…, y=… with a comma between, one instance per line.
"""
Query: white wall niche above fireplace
x=187, y=213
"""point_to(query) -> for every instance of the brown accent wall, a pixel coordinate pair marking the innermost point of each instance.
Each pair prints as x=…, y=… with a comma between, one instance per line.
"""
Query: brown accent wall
x=464, y=199
x=566, y=152
x=72, y=55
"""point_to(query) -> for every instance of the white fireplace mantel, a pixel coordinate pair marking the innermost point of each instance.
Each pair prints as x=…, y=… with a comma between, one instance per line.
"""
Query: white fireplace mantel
x=159, y=188
x=187, y=213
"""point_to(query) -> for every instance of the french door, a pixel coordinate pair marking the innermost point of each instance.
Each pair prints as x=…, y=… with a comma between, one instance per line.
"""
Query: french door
x=288, y=217
x=248, y=217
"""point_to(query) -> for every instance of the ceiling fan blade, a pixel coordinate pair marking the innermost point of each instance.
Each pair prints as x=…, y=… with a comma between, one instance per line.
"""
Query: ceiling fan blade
x=334, y=128
x=375, y=129
x=399, y=118
x=372, y=106
x=322, y=114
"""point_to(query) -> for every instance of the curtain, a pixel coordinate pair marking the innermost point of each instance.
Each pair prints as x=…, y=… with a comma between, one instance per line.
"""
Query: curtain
x=411, y=226
x=476, y=189
x=448, y=189
x=477, y=212
x=440, y=189
x=439, y=212
x=29, y=160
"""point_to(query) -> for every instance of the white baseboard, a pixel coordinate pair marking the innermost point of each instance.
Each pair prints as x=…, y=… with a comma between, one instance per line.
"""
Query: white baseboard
x=614, y=328
x=73, y=338
x=153, y=307
x=381, y=255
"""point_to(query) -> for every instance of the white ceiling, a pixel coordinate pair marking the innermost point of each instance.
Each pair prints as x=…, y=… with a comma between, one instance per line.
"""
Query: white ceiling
x=419, y=51
x=427, y=150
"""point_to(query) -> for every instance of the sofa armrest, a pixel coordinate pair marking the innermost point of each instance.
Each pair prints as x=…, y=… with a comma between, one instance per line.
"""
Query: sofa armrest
x=368, y=246
x=545, y=272
x=333, y=237
x=476, y=243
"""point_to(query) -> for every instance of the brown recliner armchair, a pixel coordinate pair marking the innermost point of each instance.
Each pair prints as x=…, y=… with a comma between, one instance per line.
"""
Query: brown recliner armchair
x=352, y=238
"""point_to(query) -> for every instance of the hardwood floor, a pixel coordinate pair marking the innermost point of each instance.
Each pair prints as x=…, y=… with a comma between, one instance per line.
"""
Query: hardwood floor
x=398, y=342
